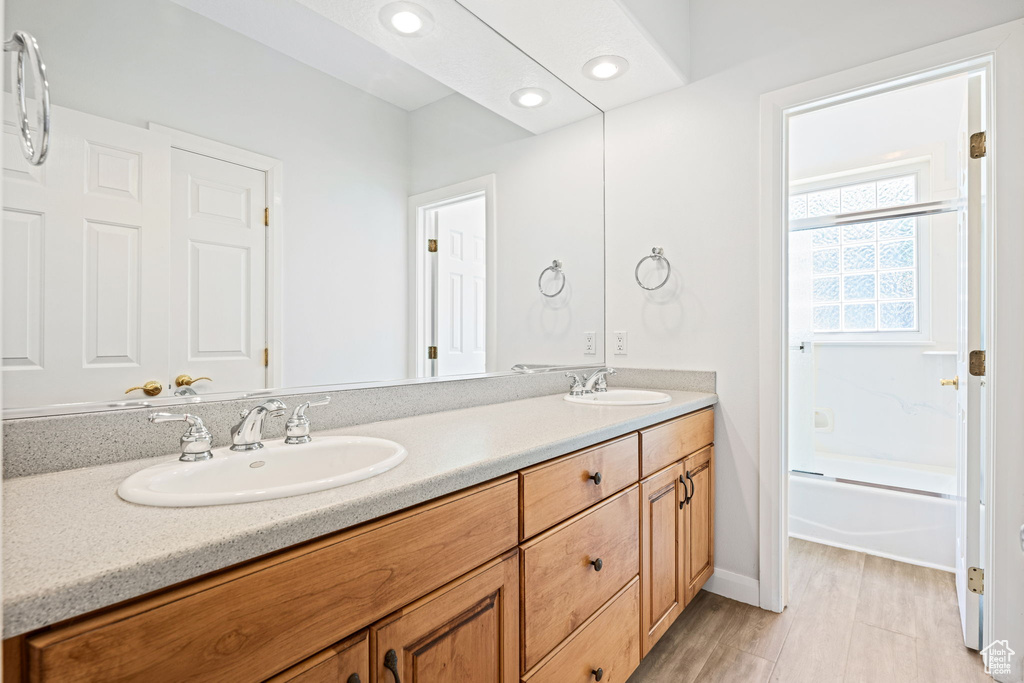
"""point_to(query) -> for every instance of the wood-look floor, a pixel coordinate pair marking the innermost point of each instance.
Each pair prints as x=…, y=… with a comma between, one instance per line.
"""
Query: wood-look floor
x=852, y=618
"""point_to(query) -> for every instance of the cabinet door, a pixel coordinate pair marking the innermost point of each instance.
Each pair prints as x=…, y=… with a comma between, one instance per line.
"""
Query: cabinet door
x=465, y=631
x=699, y=521
x=661, y=553
x=346, y=662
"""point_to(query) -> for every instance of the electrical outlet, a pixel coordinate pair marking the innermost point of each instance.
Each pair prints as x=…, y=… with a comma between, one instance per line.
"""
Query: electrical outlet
x=590, y=343
x=620, y=341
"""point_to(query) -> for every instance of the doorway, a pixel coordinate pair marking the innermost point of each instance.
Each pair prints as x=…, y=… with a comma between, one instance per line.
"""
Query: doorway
x=453, y=256
x=885, y=303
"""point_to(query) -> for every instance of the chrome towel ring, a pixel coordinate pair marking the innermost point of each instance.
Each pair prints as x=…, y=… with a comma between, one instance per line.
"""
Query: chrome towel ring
x=24, y=44
x=556, y=268
x=657, y=254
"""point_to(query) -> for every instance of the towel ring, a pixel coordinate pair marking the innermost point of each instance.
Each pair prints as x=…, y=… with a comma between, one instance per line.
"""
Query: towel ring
x=657, y=254
x=555, y=267
x=23, y=43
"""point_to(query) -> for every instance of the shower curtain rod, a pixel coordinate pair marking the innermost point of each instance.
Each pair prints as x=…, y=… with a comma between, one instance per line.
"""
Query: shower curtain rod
x=892, y=213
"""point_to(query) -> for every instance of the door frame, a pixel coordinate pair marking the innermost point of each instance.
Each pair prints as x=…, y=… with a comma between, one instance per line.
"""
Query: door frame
x=420, y=267
x=999, y=51
x=274, y=170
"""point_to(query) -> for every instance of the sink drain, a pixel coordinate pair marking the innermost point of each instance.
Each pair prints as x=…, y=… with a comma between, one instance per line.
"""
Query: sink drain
x=258, y=463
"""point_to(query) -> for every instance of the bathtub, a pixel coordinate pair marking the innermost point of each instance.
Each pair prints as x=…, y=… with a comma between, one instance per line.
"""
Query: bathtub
x=916, y=528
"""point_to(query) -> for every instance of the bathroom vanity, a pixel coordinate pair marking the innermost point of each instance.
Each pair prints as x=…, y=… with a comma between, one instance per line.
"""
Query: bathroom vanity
x=568, y=569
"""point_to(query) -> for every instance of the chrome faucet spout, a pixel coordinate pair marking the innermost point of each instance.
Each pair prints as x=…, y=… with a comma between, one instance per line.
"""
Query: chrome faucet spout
x=597, y=381
x=247, y=435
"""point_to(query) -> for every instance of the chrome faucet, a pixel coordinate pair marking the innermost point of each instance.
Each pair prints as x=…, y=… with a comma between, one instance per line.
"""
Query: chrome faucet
x=296, y=429
x=197, y=440
x=247, y=435
x=576, y=388
x=597, y=381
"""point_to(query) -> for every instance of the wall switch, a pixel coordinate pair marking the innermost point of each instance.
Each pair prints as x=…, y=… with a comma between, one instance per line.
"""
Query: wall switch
x=620, y=342
x=590, y=343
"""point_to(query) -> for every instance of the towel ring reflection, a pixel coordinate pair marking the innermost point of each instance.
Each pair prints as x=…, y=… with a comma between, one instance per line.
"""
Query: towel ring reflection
x=23, y=43
x=657, y=254
x=555, y=267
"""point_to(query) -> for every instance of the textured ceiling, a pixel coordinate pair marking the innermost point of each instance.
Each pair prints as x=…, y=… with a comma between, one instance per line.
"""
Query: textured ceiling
x=564, y=34
x=466, y=55
x=300, y=33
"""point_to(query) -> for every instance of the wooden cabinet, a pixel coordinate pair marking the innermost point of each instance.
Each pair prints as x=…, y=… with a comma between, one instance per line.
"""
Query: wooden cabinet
x=669, y=442
x=662, y=549
x=570, y=571
x=608, y=645
x=346, y=662
x=699, y=521
x=466, y=631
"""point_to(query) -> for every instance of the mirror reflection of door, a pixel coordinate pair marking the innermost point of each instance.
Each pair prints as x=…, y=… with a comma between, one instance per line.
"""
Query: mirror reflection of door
x=218, y=271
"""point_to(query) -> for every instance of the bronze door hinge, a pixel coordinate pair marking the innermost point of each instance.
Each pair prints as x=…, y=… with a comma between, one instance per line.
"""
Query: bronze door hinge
x=976, y=580
x=266, y=357
x=978, y=149
x=976, y=363
x=432, y=246
x=431, y=353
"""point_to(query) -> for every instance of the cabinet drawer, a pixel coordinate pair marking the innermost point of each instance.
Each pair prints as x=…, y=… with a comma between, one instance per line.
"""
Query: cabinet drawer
x=561, y=585
x=556, y=490
x=609, y=642
x=253, y=621
x=664, y=444
x=346, y=662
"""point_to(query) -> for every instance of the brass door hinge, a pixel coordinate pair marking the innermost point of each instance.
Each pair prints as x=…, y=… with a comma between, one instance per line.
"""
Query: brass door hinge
x=976, y=363
x=976, y=580
x=432, y=246
x=266, y=216
x=431, y=353
x=978, y=145
x=266, y=357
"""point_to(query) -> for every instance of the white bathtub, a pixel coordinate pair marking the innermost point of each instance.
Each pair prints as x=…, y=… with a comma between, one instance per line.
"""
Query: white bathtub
x=909, y=527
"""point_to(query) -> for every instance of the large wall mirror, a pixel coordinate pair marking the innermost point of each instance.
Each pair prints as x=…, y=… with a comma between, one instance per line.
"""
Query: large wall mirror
x=245, y=196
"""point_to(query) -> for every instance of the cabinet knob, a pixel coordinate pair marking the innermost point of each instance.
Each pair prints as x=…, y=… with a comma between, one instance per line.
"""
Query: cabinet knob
x=598, y=565
x=391, y=664
x=596, y=476
x=354, y=678
x=598, y=673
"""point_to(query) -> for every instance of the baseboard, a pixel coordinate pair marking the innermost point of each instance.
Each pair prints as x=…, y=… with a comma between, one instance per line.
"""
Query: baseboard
x=876, y=553
x=734, y=586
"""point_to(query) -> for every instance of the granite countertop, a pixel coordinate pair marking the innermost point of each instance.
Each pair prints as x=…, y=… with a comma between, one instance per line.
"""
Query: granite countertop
x=71, y=545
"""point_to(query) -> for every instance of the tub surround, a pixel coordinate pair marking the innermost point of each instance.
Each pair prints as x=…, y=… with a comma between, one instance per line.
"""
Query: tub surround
x=38, y=445
x=72, y=546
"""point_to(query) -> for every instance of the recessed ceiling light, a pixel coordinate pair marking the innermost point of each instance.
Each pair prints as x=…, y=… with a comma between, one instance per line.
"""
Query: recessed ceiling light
x=406, y=18
x=530, y=97
x=605, y=68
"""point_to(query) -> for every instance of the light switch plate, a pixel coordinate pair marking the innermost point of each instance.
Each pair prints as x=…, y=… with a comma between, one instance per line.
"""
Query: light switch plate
x=620, y=343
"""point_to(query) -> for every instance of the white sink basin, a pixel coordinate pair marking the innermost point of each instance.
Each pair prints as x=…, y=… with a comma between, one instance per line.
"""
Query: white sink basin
x=621, y=397
x=277, y=470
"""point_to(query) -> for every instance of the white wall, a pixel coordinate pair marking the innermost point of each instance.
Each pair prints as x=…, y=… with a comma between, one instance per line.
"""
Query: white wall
x=344, y=154
x=549, y=206
x=683, y=173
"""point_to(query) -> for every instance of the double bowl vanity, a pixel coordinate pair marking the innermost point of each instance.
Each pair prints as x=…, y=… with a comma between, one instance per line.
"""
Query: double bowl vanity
x=552, y=542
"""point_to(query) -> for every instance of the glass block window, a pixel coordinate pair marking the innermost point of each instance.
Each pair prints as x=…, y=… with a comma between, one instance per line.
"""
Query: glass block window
x=865, y=276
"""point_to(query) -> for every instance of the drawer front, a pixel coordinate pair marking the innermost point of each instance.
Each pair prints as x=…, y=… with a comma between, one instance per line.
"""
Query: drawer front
x=557, y=490
x=664, y=444
x=251, y=622
x=609, y=643
x=346, y=662
x=561, y=585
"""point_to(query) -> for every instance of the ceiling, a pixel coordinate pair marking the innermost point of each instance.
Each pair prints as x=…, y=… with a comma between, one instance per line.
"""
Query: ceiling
x=522, y=44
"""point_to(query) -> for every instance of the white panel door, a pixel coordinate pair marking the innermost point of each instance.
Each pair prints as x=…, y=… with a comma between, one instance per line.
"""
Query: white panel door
x=968, y=394
x=85, y=241
x=461, y=287
x=218, y=269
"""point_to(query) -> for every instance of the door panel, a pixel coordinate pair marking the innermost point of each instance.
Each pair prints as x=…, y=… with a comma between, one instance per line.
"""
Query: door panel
x=699, y=521
x=662, y=553
x=218, y=308
x=462, y=278
x=465, y=631
x=85, y=260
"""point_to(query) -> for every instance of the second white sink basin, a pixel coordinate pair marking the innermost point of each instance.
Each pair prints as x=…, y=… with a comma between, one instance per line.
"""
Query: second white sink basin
x=621, y=397
x=277, y=470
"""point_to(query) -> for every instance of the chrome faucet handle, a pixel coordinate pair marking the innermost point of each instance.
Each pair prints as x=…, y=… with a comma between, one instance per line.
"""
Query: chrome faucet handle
x=597, y=380
x=296, y=429
x=197, y=440
x=576, y=388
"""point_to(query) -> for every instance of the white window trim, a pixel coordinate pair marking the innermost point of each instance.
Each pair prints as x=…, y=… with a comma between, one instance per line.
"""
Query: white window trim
x=921, y=167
